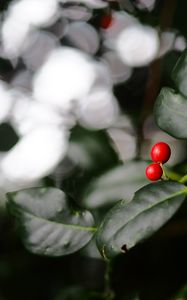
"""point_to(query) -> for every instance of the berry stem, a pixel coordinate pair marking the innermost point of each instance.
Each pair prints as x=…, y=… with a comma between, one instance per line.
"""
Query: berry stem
x=164, y=175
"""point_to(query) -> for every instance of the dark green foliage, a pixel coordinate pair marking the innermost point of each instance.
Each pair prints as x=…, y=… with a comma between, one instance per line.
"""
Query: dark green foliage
x=127, y=224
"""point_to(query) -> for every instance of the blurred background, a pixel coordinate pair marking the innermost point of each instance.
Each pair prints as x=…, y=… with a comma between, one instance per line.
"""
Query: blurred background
x=78, y=82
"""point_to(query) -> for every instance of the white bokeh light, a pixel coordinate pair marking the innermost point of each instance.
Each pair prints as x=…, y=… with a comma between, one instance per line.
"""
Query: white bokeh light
x=77, y=13
x=21, y=18
x=14, y=34
x=22, y=80
x=125, y=144
x=34, y=12
x=103, y=78
x=28, y=115
x=146, y=4
x=138, y=45
x=118, y=70
x=35, y=155
x=180, y=43
x=83, y=36
x=67, y=75
x=120, y=21
x=124, y=138
x=7, y=186
x=99, y=109
x=39, y=45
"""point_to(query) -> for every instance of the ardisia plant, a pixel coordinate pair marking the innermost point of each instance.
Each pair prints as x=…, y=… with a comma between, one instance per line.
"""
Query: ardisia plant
x=51, y=224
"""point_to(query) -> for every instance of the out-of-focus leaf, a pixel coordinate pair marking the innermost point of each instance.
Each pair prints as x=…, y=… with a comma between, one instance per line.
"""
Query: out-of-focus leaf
x=182, y=294
x=48, y=226
x=119, y=183
x=171, y=113
x=132, y=297
x=91, y=153
x=91, y=149
x=179, y=73
x=127, y=224
x=77, y=293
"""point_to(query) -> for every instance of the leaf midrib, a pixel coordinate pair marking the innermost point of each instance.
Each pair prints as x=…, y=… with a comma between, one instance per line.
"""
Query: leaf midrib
x=152, y=206
x=70, y=226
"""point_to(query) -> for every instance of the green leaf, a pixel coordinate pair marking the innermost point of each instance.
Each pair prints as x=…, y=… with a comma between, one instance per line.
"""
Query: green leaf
x=47, y=224
x=119, y=183
x=171, y=113
x=179, y=74
x=127, y=224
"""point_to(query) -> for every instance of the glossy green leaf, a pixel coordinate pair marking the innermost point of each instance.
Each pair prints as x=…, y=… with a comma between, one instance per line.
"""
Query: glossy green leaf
x=127, y=224
x=119, y=183
x=179, y=74
x=171, y=113
x=47, y=224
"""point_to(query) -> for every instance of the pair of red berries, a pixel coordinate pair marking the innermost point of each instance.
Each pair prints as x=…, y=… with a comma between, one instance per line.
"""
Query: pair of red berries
x=160, y=154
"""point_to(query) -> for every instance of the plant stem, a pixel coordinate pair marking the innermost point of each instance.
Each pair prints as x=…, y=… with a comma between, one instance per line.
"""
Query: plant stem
x=170, y=175
x=173, y=175
x=108, y=293
x=183, y=179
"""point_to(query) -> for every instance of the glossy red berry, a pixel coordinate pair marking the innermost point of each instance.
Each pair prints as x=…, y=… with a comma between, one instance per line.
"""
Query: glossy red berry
x=160, y=152
x=106, y=21
x=154, y=172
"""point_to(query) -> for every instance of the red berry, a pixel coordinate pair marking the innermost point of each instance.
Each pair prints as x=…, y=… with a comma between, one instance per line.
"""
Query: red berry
x=154, y=172
x=160, y=152
x=106, y=21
